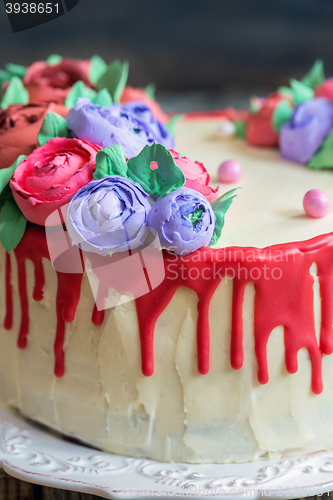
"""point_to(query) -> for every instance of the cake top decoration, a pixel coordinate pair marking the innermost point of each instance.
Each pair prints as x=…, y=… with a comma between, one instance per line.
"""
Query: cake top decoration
x=130, y=125
x=111, y=161
x=109, y=215
x=297, y=119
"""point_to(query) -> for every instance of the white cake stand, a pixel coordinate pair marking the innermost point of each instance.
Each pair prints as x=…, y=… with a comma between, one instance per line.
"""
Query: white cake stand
x=32, y=454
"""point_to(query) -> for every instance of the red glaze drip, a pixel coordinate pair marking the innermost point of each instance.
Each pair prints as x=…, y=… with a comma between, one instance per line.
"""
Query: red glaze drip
x=97, y=316
x=8, y=322
x=283, y=286
x=68, y=296
x=33, y=246
x=279, y=273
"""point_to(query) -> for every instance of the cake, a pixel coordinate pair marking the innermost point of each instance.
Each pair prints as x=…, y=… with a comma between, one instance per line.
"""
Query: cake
x=227, y=358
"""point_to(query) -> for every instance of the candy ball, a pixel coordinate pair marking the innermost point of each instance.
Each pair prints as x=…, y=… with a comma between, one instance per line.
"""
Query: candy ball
x=229, y=171
x=226, y=129
x=316, y=203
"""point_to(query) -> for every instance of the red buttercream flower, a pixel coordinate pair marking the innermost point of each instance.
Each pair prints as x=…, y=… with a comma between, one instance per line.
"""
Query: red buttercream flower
x=259, y=130
x=135, y=94
x=52, y=83
x=51, y=175
x=19, y=127
x=325, y=89
x=196, y=176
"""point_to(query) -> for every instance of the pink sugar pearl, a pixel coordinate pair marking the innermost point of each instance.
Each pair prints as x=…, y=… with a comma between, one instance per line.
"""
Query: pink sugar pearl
x=316, y=203
x=229, y=171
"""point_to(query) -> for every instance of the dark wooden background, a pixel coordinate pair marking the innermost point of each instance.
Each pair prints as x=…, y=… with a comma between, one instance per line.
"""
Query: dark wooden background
x=187, y=44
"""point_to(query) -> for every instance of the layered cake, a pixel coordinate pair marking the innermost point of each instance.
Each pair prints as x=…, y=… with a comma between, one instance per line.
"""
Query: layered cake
x=223, y=353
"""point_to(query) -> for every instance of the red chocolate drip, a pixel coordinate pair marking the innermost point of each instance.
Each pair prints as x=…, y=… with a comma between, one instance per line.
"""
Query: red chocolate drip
x=8, y=322
x=236, y=347
x=279, y=273
x=33, y=246
x=325, y=274
x=68, y=296
x=283, y=296
x=97, y=316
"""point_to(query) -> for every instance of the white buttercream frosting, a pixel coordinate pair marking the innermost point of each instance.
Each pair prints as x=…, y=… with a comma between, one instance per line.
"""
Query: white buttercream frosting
x=178, y=414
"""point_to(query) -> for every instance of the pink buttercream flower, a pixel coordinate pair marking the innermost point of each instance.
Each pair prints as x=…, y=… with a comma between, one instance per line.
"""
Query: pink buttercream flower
x=19, y=127
x=49, y=177
x=196, y=176
x=325, y=89
x=259, y=130
x=52, y=82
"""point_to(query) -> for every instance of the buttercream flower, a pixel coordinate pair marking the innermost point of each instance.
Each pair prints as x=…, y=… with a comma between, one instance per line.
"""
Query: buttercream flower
x=52, y=82
x=51, y=175
x=196, y=176
x=259, y=129
x=109, y=215
x=311, y=123
x=325, y=89
x=131, y=125
x=19, y=127
x=136, y=94
x=184, y=220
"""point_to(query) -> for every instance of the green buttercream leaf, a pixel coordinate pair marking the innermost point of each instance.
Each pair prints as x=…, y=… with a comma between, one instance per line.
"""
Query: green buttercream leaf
x=54, y=59
x=254, y=105
x=103, y=98
x=16, y=70
x=285, y=91
x=15, y=93
x=171, y=125
x=324, y=157
x=110, y=161
x=220, y=208
x=150, y=90
x=7, y=173
x=282, y=114
x=300, y=92
x=79, y=89
x=240, y=129
x=329, y=140
x=115, y=79
x=5, y=76
x=160, y=181
x=5, y=194
x=315, y=76
x=98, y=68
x=53, y=125
x=12, y=225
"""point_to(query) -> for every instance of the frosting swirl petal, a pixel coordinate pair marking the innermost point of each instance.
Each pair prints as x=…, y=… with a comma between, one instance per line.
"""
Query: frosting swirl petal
x=19, y=127
x=109, y=215
x=51, y=82
x=50, y=175
x=131, y=125
x=310, y=124
x=184, y=221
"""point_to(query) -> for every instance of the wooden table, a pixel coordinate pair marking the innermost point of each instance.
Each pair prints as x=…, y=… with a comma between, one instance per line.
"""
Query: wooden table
x=13, y=489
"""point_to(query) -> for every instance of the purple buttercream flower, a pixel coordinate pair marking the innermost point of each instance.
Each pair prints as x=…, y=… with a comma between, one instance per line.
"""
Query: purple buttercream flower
x=131, y=125
x=109, y=215
x=311, y=123
x=184, y=221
